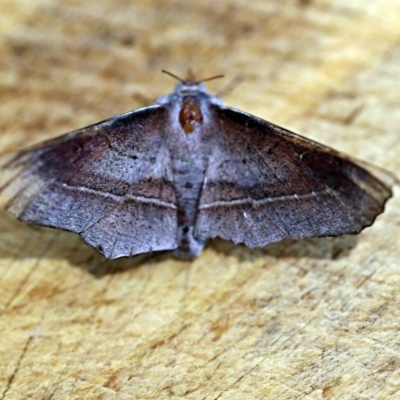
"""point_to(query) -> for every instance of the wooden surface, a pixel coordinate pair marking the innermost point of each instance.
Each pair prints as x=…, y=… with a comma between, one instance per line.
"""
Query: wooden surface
x=316, y=319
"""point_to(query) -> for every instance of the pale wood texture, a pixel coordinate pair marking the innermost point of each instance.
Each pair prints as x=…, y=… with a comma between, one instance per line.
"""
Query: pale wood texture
x=316, y=319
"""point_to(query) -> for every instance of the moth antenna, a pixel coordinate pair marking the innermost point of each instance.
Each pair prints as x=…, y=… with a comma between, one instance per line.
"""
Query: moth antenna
x=172, y=75
x=211, y=78
x=190, y=77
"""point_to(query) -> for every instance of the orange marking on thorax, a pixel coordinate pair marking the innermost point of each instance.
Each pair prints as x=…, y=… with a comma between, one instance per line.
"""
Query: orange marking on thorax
x=189, y=115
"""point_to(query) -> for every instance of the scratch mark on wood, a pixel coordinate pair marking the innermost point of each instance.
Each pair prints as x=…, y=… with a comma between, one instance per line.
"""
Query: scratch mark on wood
x=17, y=367
x=250, y=370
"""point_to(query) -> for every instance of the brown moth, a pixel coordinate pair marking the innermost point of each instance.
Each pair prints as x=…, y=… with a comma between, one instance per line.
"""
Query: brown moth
x=174, y=174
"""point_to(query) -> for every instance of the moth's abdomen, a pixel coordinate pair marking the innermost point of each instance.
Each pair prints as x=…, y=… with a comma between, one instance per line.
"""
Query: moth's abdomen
x=188, y=176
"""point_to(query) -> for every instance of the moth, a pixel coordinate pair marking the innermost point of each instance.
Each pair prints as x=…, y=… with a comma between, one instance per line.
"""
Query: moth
x=186, y=169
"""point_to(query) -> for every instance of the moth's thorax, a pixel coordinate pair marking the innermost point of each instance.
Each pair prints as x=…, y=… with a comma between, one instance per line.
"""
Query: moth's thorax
x=189, y=106
x=190, y=115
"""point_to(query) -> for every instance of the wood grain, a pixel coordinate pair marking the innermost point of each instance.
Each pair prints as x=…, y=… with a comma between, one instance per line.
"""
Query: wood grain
x=314, y=319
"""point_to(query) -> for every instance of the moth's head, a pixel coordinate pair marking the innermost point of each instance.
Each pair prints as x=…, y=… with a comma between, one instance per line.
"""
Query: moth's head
x=190, y=84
